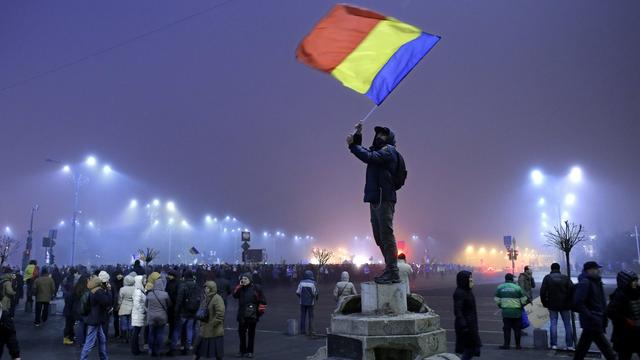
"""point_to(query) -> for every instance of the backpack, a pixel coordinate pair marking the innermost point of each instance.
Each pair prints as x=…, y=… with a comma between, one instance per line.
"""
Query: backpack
x=193, y=299
x=399, y=175
x=85, y=304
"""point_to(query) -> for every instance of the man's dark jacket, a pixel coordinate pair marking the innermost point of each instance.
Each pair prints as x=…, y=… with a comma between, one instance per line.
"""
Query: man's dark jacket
x=590, y=302
x=100, y=303
x=556, y=291
x=380, y=164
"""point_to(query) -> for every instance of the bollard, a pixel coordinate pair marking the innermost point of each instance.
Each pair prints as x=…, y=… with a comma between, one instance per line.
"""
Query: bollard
x=292, y=327
x=540, y=340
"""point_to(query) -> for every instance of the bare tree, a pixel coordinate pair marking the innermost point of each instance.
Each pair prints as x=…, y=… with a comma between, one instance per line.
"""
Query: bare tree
x=148, y=255
x=322, y=256
x=565, y=238
x=8, y=246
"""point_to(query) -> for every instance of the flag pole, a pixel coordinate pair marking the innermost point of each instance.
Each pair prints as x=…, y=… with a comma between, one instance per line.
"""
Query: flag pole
x=369, y=114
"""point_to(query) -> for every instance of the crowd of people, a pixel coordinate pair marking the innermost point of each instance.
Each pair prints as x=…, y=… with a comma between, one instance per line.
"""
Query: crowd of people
x=561, y=297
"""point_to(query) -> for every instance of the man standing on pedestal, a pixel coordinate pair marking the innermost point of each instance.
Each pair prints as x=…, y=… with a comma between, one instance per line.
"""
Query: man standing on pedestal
x=384, y=177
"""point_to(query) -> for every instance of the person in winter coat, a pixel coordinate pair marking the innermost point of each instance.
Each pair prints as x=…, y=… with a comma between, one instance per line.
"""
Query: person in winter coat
x=68, y=284
x=344, y=287
x=125, y=305
x=44, y=291
x=157, y=305
x=8, y=335
x=589, y=301
x=380, y=192
x=210, y=341
x=250, y=302
x=30, y=275
x=527, y=283
x=171, y=287
x=510, y=298
x=624, y=312
x=466, y=317
x=555, y=294
x=80, y=328
x=188, y=299
x=138, y=313
x=308, y=294
x=224, y=288
x=100, y=302
x=6, y=289
x=404, y=271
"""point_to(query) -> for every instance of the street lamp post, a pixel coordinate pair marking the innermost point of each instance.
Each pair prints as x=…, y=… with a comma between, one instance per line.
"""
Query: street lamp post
x=26, y=256
x=77, y=182
x=638, y=244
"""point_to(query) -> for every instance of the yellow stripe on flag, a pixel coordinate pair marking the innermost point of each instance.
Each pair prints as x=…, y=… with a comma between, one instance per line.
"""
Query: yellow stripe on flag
x=359, y=68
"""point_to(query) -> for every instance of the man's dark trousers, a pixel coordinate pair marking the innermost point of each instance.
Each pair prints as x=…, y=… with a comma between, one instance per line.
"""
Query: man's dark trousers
x=591, y=336
x=382, y=224
x=509, y=324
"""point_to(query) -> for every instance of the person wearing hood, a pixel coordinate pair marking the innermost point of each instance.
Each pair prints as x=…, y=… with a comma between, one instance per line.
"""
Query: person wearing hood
x=590, y=302
x=527, y=283
x=251, y=303
x=157, y=305
x=308, y=294
x=30, y=275
x=125, y=305
x=8, y=335
x=380, y=192
x=67, y=293
x=404, y=271
x=555, y=295
x=100, y=301
x=138, y=313
x=44, y=291
x=210, y=341
x=624, y=312
x=188, y=299
x=466, y=317
x=344, y=287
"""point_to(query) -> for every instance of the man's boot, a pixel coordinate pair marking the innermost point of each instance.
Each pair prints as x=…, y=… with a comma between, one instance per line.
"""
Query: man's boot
x=389, y=276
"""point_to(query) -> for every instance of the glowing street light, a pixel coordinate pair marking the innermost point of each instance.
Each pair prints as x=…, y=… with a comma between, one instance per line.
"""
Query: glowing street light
x=570, y=199
x=61, y=223
x=7, y=229
x=537, y=177
x=156, y=202
x=184, y=223
x=541, y=201
x=91, y=161
x=208, y=219
x=575, y=175
x=171, y=206
x=133, y=204
x=66, y=168
x=106, y=170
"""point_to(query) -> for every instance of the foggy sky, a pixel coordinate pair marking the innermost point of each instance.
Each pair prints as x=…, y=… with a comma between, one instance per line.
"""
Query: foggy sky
x=216, y=114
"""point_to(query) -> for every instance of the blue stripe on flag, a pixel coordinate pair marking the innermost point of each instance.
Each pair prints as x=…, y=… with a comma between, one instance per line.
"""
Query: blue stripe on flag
x=399, y=65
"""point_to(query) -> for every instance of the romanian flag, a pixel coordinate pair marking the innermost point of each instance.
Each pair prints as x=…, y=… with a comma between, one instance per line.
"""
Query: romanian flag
x=366, y=51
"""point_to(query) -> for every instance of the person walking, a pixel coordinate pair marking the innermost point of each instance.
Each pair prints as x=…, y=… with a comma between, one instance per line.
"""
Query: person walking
x=125, y=305
x=99, y=302
x=344, y=287
x=555, y=295
x=589, y=301
x=466, y=317
x=157, y=305
x=7, y=293
x=251, y=300
x=510, y=298
x=30, y=275
x=382, y=161
x=188, y=300
x=138, y=313
x=404, y=271
x=210, y=340
x=307, y=293
x=44, y=291
x=8, y=337
x=624, y=312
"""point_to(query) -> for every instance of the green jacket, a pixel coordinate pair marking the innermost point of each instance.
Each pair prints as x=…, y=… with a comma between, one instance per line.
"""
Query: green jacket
x=510, y=298
x=215, y=326
x=44, y=288
x=7, y=291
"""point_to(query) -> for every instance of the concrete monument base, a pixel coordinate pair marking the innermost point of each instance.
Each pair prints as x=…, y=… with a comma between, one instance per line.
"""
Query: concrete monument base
x=383, y=328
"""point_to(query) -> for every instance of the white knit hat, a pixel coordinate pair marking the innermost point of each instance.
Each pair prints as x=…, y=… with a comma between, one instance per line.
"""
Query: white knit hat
x=104, y=276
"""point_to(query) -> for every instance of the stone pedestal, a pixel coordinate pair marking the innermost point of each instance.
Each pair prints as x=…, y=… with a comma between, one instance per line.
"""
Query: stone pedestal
x=384, y=328
x=384, y=299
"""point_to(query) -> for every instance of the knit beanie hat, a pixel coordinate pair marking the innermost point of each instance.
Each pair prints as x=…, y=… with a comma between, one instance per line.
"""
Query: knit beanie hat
x=104, y=276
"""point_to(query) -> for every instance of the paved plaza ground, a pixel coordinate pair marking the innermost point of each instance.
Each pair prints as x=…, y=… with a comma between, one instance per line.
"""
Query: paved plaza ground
x=45, y=342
